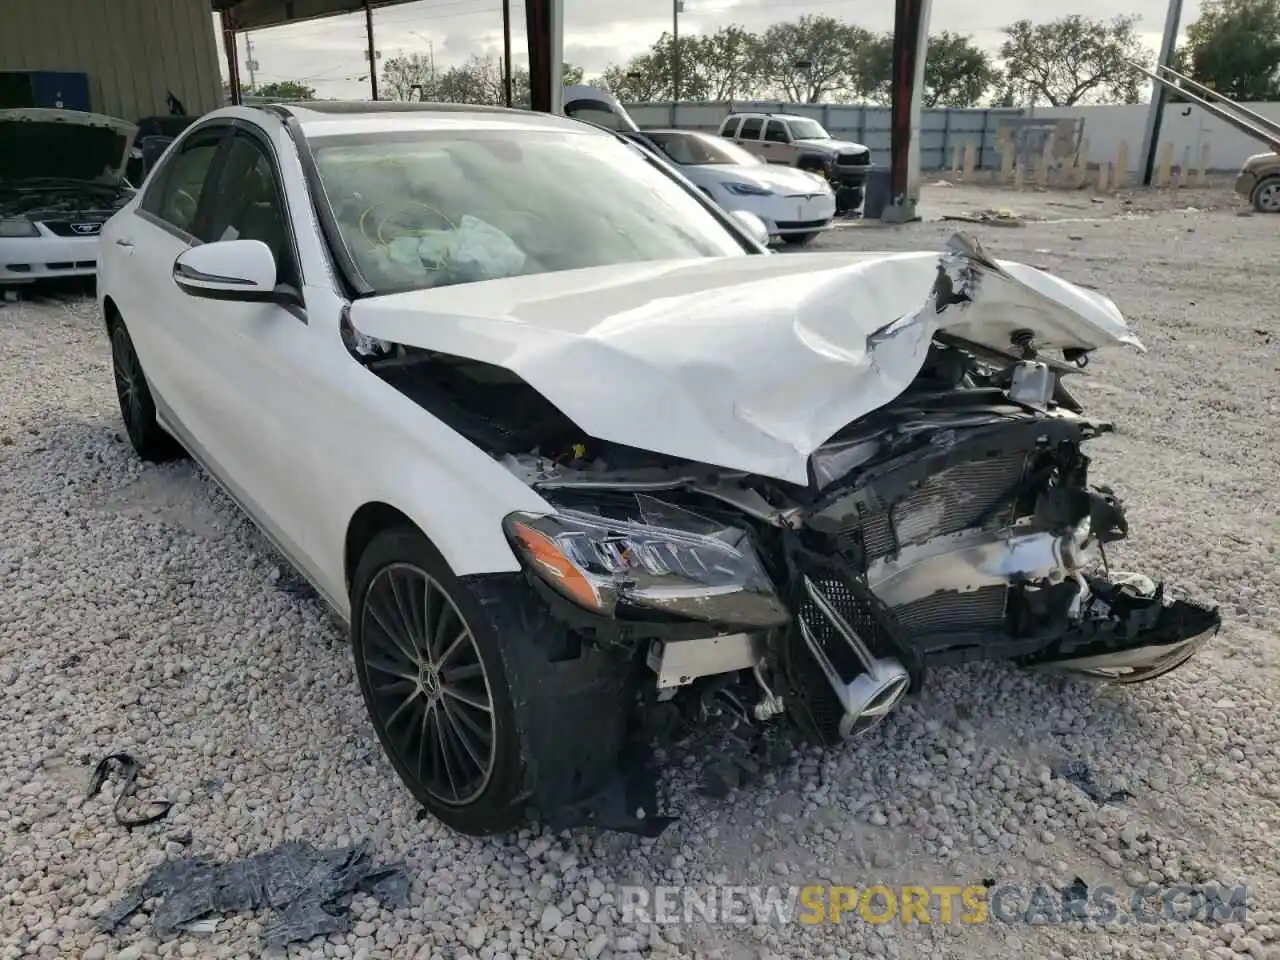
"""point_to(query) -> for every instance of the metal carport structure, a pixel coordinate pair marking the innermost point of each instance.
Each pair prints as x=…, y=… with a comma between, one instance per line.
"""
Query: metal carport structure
x=544, y=20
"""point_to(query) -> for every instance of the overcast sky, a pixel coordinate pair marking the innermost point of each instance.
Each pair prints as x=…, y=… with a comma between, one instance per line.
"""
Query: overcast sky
x=329, y=54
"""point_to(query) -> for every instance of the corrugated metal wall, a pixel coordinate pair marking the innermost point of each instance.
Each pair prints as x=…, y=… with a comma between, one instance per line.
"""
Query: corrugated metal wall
x=134, y=51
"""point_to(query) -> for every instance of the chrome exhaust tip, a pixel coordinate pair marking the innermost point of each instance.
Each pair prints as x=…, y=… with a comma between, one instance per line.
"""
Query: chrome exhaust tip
x=872, y=696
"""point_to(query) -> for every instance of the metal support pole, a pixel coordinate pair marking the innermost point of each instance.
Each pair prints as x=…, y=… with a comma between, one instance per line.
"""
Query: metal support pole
x=229, y=42
x=373, y=55
x=506, y=52
x=1159, y=93
x=910, y=45
x=675, y=58
x=544, y=20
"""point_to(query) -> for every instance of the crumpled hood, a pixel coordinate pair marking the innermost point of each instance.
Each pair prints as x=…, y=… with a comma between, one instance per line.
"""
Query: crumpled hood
x=749, y=363
x=69, y=144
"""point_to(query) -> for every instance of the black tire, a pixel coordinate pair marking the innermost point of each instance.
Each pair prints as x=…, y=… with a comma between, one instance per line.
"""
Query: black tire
x=800, y=239
x=435, y=734
x=1266, y=195
x=150, y=441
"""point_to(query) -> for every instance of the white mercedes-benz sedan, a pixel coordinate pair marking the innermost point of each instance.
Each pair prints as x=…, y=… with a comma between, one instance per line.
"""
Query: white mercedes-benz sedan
x=581, y=466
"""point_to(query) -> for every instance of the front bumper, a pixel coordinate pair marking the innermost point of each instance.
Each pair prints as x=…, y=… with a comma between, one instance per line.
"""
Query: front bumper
x=47, y=257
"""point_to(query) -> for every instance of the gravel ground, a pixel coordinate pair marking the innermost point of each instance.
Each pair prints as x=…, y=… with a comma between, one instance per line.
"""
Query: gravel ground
x=140, y=612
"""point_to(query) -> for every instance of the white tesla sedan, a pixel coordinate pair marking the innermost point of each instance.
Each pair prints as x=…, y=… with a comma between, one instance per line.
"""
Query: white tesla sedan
x=539, y=421
x=794, y=204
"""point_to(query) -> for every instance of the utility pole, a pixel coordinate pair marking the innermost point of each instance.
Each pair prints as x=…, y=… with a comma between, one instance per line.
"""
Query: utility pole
x=251, y=63
x=677, y=7
x=1159, y=93
x=506, y=52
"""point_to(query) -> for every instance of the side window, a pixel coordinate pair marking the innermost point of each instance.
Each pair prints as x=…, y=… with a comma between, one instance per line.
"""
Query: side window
x=729, y=127
x=175, y=191
x=248, y=205
x=776, y=131
x=750, y=129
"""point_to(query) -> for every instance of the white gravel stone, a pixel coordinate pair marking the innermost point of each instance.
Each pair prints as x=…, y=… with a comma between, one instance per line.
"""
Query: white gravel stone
x=139, y=611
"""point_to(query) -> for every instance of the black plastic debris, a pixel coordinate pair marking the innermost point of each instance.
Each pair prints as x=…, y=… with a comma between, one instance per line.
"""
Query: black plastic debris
x=1079, y=773
x=308, y=888
x=128, y=788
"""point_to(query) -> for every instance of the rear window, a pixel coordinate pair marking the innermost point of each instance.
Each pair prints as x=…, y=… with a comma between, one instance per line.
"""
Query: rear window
x=751, y=128
x=729, y=127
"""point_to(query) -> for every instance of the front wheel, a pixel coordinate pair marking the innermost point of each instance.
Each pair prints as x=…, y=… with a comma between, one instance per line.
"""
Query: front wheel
x=1266, y=195
x=434, y=682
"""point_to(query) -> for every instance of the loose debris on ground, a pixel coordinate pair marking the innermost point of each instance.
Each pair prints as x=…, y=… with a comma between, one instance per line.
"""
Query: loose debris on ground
x=304, y=885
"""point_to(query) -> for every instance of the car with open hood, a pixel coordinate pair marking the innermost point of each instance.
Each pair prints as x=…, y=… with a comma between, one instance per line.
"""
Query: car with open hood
x=61, y=178
x=567, y=452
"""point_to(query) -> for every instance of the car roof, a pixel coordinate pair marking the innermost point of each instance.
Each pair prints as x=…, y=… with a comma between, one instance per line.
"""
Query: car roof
x=321, y=118
x=763, y=113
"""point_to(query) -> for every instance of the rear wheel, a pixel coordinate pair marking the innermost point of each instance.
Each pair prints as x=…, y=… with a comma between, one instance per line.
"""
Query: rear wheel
x=1266, y=195
x=435, y=684
x=149, y=440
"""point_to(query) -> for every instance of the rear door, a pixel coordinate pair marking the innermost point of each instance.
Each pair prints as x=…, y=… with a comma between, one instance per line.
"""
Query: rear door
x=749, y=135
x=140, y=248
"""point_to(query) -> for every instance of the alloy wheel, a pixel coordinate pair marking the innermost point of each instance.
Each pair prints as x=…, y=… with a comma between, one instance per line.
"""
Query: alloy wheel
x=429, y=689
x=129, y=382
x=1269, y=197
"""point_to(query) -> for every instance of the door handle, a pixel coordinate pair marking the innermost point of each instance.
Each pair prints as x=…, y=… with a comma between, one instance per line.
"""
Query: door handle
x=123, y=242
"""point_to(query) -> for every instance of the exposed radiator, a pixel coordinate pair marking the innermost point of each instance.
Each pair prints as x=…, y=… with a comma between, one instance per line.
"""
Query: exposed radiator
x=953, y=612
x=951, y=500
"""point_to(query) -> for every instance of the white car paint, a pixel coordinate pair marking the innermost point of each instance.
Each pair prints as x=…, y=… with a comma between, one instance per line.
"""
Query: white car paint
x=31, y=250
x=748, y=363
x=744, y=361
x=788, y=200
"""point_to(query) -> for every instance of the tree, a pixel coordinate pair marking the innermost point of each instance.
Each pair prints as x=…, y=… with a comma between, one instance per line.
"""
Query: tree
x=1073, y=60
x=811, y=59
x=403, y=77
x=724, y=63
x=1235, y=48
x=640, y=80
x=956, y=72
x=284, y=90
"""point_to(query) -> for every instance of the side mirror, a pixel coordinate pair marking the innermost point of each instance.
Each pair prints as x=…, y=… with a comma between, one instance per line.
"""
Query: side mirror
x=242, y=270
x=753, y=225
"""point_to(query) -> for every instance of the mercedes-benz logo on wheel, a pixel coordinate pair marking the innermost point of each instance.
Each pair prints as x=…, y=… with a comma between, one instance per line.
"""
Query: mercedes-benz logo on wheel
x=85, y=229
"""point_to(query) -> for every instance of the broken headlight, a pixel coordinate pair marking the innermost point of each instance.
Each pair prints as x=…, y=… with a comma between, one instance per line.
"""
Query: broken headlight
x=697, y=570
x=18, y=227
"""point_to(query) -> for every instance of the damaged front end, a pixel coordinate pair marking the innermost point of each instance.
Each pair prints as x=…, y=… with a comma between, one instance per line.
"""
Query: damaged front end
x=955, y=522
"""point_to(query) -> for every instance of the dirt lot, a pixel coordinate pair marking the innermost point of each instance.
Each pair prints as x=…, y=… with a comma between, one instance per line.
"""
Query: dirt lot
x=140, y=612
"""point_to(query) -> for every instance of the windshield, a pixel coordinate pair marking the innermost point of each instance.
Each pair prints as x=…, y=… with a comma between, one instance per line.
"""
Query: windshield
x=805, y=129
x=697, y=149
x=431, y=209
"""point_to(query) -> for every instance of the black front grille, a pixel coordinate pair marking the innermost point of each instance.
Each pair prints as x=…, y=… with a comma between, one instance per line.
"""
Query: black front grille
x=801, y=224
x=865, y=616
x=67, y=228
x=851, y=159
